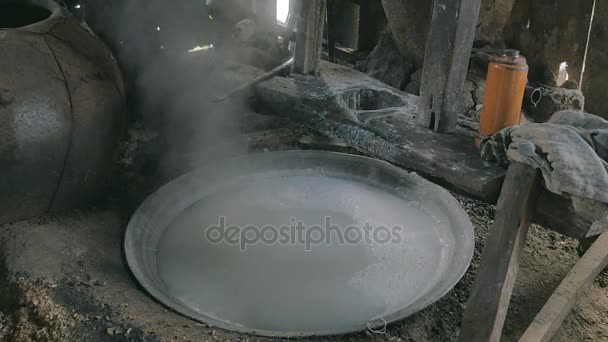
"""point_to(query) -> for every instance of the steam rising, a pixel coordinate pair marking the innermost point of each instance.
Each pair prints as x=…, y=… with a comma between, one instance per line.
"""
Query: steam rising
x=177, y=57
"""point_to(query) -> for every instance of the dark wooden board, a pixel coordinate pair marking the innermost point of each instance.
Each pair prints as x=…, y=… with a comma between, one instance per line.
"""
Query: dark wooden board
x=309, y=38
x=446, y=62
x=486, y=309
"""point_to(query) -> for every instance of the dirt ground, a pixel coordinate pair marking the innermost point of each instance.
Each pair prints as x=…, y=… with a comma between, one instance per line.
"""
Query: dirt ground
x=63, y=278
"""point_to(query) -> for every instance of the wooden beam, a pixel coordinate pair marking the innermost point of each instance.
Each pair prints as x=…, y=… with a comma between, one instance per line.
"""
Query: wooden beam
x=446, y=62
x=371, y=22
x=332, y=28
x=561, y=302
x=309, y=38
x=256, y=80
x=486, y=310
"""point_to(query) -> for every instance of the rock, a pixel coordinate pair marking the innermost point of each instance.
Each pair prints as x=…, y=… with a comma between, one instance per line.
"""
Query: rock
x=6, y=97
x=493, y=17
x=78, y=317
x=251, y=44
x=570, y=84
x=553, y=100
x=466, y=98
x=478, y=71
x=361, y=65
x=413, y=87
x=479, y=92
x=475, y=113
x=480, y=59
x=549, y=32
x=245, y=31
x=385, y=62
x=409, y=22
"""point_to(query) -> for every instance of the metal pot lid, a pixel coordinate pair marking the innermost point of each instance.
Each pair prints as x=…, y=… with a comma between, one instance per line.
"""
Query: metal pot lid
x=299, y=243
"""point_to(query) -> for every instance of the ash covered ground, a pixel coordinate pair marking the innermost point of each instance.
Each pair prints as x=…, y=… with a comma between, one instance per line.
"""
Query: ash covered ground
x=64, y=279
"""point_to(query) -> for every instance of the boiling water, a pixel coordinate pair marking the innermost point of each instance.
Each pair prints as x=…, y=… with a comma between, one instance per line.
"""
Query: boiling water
x=283, y=284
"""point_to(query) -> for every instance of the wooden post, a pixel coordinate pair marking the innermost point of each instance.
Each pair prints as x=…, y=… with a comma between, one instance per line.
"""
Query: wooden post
x=486, y=310
x=294, y=14
x=446, y=62
x=371, y=22
x=552, y=315
x=309, y=38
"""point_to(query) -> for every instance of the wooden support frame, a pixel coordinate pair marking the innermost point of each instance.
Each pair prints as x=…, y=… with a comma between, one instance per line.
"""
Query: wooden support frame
x=486, y=310
x=561, y=302
x=446, y=62
x=309, y=38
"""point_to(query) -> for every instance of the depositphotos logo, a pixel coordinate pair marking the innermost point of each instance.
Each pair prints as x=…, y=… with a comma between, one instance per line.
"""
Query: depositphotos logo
x=299, y=234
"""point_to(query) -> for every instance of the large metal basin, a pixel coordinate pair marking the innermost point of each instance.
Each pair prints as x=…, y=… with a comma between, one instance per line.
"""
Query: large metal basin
x=290, y=287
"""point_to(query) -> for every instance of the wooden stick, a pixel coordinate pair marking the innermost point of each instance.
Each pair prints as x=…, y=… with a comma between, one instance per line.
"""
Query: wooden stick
x=309, y=38
x=263, y=77
x=446, y=61
x=486, y=310
x=561, y=302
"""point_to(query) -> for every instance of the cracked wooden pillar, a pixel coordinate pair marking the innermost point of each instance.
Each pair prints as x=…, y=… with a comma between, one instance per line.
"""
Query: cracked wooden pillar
x=446, y=62
x=309, y=38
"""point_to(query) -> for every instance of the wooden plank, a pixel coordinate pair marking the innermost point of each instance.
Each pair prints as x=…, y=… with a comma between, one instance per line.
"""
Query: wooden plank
x=446, y=62
x=309, y=38
x=258, y=79
x=487, y=307
x=561, y=302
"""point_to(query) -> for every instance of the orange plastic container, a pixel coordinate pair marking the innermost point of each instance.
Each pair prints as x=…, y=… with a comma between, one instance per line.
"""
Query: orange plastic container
x=504, y=94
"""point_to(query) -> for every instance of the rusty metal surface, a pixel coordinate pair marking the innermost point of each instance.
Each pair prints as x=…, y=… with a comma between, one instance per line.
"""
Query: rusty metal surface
x=60, y=115
x=34, y=126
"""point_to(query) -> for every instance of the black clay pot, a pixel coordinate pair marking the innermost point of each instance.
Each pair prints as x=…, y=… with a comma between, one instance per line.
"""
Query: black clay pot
x=62, y=109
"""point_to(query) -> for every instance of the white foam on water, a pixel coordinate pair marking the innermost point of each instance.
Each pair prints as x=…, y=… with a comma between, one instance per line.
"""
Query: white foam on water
x=283, y=287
